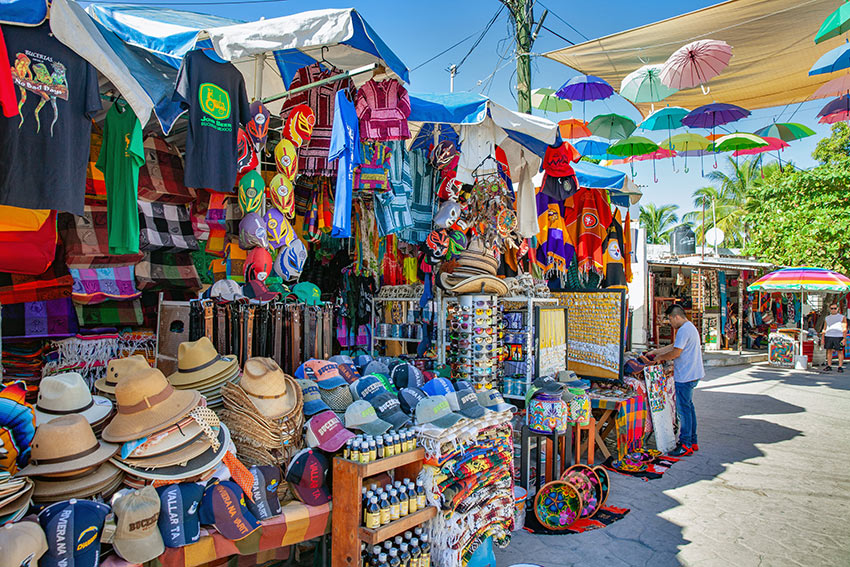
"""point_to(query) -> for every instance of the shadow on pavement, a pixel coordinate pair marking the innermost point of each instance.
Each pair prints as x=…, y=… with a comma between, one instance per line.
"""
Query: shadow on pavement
x=791, y=377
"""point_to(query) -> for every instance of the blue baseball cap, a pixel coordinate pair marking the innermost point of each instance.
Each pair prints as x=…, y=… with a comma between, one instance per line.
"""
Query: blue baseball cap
x=346, y=368
x=409, y=397
x=73, y=529
x=405, y=375
x=178, y=513
x=313, y=402
x=361, y=360
x=264, y=503
x=368, y=387
x=223, y=506
x=462, y=385
x=438, y=387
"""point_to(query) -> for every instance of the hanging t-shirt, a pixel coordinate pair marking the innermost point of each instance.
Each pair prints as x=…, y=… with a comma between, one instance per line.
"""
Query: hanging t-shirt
x=44, y=148
x=556, y=161
x=613, y=260
x=345, y=147
x=122, y=153
x=8, y=100
x=214, y=94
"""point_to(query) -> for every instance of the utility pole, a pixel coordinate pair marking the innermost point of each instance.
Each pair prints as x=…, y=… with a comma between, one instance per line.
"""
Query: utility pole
x=452, y=73
x=523, y=16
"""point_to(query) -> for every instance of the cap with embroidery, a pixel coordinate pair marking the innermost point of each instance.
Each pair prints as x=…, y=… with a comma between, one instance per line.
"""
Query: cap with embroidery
x=264, y=503
x=465, y=402
x=406, y=375
x=306, y=474
x=73, y=529
x=346, y=367
x=438, y=387
x=368, y=387
x=324, y=373
x=388, y=409
x=325, y=431
x=493, y=401
x=137, y=538
x=435, y=410
x=313, y=402
x=223, y=506
x=361, y=415
x=178, y=521
x=409, y=398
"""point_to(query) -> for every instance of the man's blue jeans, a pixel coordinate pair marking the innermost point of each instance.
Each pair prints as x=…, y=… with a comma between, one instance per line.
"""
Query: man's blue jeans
x=687, y=415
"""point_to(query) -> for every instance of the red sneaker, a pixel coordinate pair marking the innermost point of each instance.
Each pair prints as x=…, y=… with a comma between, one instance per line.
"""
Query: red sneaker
x=694, y=448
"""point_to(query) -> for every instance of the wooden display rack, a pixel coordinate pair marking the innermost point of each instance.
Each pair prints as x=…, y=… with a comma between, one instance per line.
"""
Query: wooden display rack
x=347, y=524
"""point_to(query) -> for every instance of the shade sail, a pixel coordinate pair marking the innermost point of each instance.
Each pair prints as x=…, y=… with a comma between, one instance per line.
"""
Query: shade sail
x=772, y=43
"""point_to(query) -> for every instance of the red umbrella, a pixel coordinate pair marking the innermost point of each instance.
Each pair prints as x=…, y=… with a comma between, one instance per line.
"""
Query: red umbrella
x=840, y=116
x=695, y=64
x=773, y=145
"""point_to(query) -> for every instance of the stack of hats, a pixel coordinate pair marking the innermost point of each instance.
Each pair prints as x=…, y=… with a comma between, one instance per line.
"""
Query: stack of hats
x=164, y=434
x=263, y=412
x=474, y=271
x=15, y=497
x=372, y=389
x=68, y=394
x=116, y=368
x=200, y=367
x=68, y=461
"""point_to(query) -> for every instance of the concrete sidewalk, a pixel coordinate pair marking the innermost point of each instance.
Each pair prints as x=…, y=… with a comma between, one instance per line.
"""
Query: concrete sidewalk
x=769, y=486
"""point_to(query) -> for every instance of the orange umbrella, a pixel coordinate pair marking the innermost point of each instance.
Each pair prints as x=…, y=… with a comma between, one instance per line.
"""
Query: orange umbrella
x=573, y=128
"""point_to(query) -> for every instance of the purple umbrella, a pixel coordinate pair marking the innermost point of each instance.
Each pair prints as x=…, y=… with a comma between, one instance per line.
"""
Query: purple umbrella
x=840, y=104
x=584, y=88
x=713, y=115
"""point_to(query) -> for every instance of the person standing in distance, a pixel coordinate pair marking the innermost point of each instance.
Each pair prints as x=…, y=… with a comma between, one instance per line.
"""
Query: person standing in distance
x=834, y=336
x=686, y=354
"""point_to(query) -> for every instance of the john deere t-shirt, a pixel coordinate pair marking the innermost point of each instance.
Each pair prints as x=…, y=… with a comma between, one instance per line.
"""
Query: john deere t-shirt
x=215, y=95
x=44, y=148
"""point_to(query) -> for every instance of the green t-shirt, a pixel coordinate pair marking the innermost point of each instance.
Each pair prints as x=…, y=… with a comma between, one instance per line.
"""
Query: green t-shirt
x=121, y=156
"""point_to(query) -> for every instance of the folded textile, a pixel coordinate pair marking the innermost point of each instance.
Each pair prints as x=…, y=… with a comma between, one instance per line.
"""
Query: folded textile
x=110, y=313
x=86, y=240
x=95, y=182
x=161, y=178
x=165, y=228
x=96, y=285
x=54, y=283
x=167, y=270
x=51, y=318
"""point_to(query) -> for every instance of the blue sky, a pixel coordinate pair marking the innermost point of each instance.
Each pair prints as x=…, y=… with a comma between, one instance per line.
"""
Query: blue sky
x=417, y=31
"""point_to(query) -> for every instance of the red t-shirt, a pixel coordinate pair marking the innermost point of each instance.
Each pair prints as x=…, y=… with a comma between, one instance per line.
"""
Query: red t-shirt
x=8, y=101
x=557, y=160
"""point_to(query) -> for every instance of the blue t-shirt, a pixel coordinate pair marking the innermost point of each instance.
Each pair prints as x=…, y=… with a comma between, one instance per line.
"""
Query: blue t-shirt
x=345, y=147
x=688, y=366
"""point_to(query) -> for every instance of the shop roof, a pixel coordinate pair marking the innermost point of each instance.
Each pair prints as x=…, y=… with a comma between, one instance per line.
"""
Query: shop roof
x=710, y=262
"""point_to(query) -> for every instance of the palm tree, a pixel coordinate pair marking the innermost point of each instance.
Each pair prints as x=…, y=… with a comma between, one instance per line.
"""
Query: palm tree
x=658, y=222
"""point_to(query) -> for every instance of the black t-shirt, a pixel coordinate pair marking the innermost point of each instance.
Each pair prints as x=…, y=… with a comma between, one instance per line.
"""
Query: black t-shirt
x=215, y=95
x=612, y=257
x=44, y=150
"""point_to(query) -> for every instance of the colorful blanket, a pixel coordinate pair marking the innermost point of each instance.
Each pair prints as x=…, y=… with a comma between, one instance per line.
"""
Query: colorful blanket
x=86, y=240
x=37, y=319
x=96, y=285
x=55, y=283
x=162, y=269
x=603, y=518
x=110, y=313
x=165, y=228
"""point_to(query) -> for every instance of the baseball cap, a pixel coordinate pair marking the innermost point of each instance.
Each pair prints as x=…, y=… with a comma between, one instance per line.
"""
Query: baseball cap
x=324, y=373
x=325, y=431
x=436, y=411
x=258, y=290
x=409, y=398
x=223, y=506
x=308, y=293
x=462, y=385
x=376, y=367
x=438, y=387
x=360, y=415
x=361, y=360
x=22, y=543
x=338, y=399
x=406, y=375
x=368, y=387
x=178, y=513
x=137, y=538
x=493, y=401
x=264, y=503
x=346, y=367
x=73, y=529
x=313, y=402
x=306, y=474
x=465, y=402
x=388, y=409
x=228, y=290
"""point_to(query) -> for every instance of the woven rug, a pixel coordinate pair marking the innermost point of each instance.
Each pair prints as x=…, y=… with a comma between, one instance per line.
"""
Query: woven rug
x=650, y=469
x=604, y=517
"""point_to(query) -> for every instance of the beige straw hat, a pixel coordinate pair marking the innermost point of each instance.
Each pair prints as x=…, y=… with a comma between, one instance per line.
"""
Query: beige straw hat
x=165, y=441
x=117, y=368
x=198, y=362
x=65, y=444
x=65, y=394
x=48, y=489
x=270, y=390
x=147, y=403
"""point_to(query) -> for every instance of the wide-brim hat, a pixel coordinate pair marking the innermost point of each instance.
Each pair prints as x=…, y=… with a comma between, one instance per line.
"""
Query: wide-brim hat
x=198, y=361
x=76, y=487
x=271, y=391
x=209, y=459
x=115, y=369
x=484, y=285
x=20, y=499
x=67, y=393
x=223, y=367
x=182, y=454
x=165, y=441
x=64, y=445
x=147, y=403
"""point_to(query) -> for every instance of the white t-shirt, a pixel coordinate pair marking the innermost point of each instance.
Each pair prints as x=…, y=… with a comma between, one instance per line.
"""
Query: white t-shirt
x=834, y=326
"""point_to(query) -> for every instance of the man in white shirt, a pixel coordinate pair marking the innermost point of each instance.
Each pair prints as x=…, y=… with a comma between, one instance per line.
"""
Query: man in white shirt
x=834, y=336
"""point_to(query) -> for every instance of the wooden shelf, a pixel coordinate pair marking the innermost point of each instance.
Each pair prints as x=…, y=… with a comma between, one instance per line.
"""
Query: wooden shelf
x=373, y=537
x=388, y=463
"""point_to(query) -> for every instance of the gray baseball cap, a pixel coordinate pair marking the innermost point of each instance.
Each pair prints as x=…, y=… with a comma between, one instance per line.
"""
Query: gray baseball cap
x=465, y=402
x=361, y=415
x=436, y=411
x=493, y=401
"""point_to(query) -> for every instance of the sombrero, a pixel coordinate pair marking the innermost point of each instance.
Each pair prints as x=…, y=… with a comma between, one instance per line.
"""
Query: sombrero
x=198, y=361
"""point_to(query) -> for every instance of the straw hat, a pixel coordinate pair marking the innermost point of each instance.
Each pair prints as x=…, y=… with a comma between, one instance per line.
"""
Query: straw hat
x=66, y=444
x=179, y=455
x=147, y=403
x=20, y=500
x=117, y=368
x=198, y=361
x=97, y=482
x=67, y=393
x=484, y=285
x=165, y=441
x=270, y=390
x=474, y=272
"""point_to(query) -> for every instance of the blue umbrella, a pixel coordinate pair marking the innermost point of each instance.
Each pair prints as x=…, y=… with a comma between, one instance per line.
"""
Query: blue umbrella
x=591, y=147
x=833, y=60
x=840, y=104
x=669, y=119
x=713, y=115
x=584, y=88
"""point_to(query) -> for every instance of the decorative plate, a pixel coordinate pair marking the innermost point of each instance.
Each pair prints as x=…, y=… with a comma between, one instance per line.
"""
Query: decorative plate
x=587, y=482
x=557, y=505
x=604, y=483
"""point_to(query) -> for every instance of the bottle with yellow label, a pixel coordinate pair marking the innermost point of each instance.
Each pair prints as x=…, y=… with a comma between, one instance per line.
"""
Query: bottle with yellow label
x=373, y=514
x=385, y=510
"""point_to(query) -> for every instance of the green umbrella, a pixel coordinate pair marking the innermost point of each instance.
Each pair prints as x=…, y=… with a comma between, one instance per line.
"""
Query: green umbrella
x=545, y=100
x=687, y=144
x=612, y=126
x=737, y=141
x=785, y=131
x=644, y=85
x=633, y=146
x=835, y=24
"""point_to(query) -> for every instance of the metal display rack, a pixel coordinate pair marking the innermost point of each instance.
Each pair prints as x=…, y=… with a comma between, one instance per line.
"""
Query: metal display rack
x=527, y=307
x=376, y=319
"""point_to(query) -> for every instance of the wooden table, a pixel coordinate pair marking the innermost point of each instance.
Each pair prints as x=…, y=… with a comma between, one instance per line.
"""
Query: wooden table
x=605, y=411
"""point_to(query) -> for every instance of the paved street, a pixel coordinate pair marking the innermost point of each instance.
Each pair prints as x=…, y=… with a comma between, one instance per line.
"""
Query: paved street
x=770, y=485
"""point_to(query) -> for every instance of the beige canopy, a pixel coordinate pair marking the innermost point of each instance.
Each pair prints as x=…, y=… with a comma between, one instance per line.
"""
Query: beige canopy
x=772, y=44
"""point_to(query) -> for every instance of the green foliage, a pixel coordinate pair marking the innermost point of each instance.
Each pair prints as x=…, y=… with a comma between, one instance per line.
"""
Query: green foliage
x=658, y=222
x=836, y=148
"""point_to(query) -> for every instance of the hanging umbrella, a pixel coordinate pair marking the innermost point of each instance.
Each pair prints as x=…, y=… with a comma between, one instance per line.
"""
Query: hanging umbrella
x=833, y=60
x=835, y=87
x=584, y=88
x=773, y=145
x=738, y=141
x=660, y=153
x=835, y=24
x=785, y=131
x=633, y=146
x=687, y=144
x=669, y=118
x=804, y=279
x=714, y=115
x=590, y=147
x=695, y=64
x=573, y=128
x=612, y=126
x=545, y=100
x=840, y=104
x=840, y=116
x=644, y=85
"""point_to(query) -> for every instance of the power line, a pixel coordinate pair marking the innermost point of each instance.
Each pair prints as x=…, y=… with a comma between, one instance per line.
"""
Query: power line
x=481, y=37
x=443, y=52
x=568, y=24
x=557, y=34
